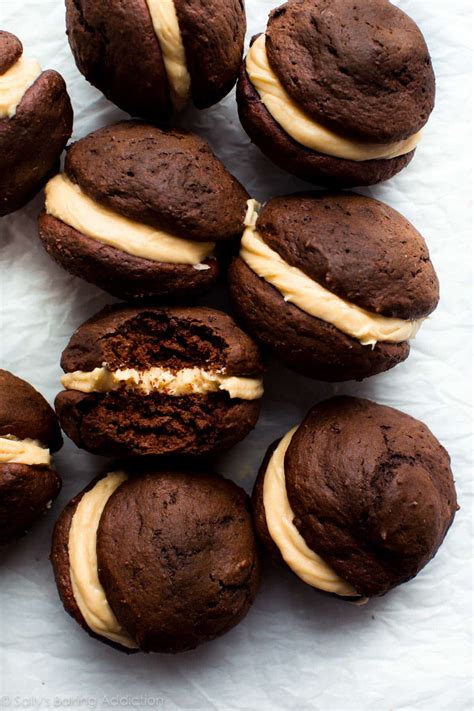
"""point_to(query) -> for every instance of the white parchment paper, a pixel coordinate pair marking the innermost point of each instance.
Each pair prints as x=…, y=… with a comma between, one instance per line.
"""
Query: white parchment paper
x=296, y=649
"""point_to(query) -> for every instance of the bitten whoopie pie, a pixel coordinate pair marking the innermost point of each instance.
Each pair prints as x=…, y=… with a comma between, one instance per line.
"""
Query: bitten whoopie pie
x=138, y=211
x=160, y=561
x=159, y=381
x=152, y=57
x=337, y=91
x=334, y=284
x=29, y=432
x=35, y=124
x=357, y=499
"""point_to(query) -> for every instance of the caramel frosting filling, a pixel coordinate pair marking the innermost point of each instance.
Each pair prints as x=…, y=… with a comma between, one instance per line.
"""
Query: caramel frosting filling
x=187, y=381
x=312, y=298
x=83, y=565
x=303, y=561
x=23, y=451
x=166, y=26
x=14, y=84
x=67, y=202
x=304, y=129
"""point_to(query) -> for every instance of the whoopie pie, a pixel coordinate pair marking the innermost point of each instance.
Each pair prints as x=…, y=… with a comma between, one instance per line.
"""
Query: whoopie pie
x=334, y=284
x=157, y=560
x=152, y=57
x=35, y=124
x=355, y=500
x=138, y=211
x=159, y=381
x=337, y=91
x=29, y=433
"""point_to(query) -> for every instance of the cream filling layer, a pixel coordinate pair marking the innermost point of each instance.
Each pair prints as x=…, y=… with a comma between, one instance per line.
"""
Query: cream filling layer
x=304, y=129
x=312, y=298
x=83, y=567
x=23, y=451
x=166, y=26
x=67, y=202
x=14, y=84
x=307, y=564
x=187, y=381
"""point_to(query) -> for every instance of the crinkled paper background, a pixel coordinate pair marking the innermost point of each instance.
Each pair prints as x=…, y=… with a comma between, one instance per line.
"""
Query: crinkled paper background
x=296, y=649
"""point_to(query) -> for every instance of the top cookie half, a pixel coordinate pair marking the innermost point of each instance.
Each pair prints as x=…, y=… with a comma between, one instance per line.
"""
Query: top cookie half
x=359, y=67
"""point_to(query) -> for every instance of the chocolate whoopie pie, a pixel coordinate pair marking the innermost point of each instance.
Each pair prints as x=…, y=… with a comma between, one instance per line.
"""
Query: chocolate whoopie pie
x=139, y=211
x=35, y=124
x=337, y=91
x=152, y=57
x=357, y=499
x=29, y=432
x=160, y=561
x=159, y=381
x=334, y=284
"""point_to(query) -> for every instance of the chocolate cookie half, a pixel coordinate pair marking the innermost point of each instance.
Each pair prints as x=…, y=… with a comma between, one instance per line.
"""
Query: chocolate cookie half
x=29, y=432
x=355, y=500
x=35, y=124
x=151, y=57
x=159, y=381
x=157, y=560
x=140, y=212
x=334, y=284
x=337, y=92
